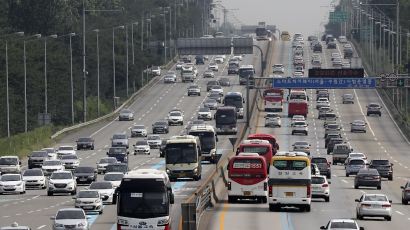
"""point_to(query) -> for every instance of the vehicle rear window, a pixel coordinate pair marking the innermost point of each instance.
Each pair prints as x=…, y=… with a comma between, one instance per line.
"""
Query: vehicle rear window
x=318, y=180
x=319, y=160
x=343, y=225
x=356, y=162
x=255, y=149
x=39, y=154
x=380, y=162
x=375, y=198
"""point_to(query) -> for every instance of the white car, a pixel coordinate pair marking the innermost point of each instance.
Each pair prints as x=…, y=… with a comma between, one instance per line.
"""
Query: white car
x=156, y=71
x=299, y=68
x=89, y=201
x=373, y=205
x=170, y=78
x=126, y=115
x=138, y=131
x=273, y=120
x=62, y=182
x=298, y=74
x=70, y=218
x=70, y=161
x=154, y=141
x=299, y=39
x=219, y=59
x=50, y=166
x=142, y=147
x=237, y=57
x=209, y=74
x=194, y=90
x=320, y=187
x=297, y=118
x=204, y=113
x=52, y=153
x=106, y=190
x=175, y=117
x=321, y=102
x=356, y=155
x=278, y=68
x=213, y=66
x=338, y=224
x=179, y=65
x=103, y=162
x=12, y=183
x=300, y=127
x=65, y=150
x=34, y=178
x=115, y=178
x=217, y=89
x=301, y=146
x=10, y=164
x=358, y=126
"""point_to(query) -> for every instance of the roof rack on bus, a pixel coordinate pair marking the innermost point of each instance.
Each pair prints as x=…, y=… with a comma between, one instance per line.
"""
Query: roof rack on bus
x=291, y=153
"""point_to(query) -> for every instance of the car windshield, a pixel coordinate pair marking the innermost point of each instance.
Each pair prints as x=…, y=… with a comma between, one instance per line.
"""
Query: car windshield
x=108, y=160
x=141, y=142
x=84, y=170
x=375, y=198
x=160, y=123
x=69, y=157
x=301, y=143
x=114, y=150
x=300, y=123
x=193, y=87
x=330, y=115
x=198, y=122
x=374, y=105
x=210, y=101
x=113, y=177
x=319, y=160
x=88, y=194
x=51, y=163
x=70, y=214
x=153, y=137
x=101, y=185
x=204, y=110
x=356, y=162
x=380, y=162
x=85, y=139
x=39, y=154
x=332, y=126
x=343, y=225
x=66, y=148
x=139, y=127
x=33, y=172
x=176, y=114
x=119, y=136
x=318, y=180
x=61, y=176
x=358, y=122
x=368, y=172
x=261, y=150
x=8, y=161
x=10, y=178
x=273, y=115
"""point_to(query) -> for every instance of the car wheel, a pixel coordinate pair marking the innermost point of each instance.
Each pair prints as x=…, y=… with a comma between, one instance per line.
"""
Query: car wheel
x=388, y=218
x=327, y=199
x=347, y=174
x=379, y=187
x=356, y=186
x=329, y=176
x=358, y=216
x=293, y=133
x=274, y=207
x=367, y=114
x=405, y=202
x=49, y=193
x=390, y=178
x=231, y=199
x=307, y=208
x=74, y=192
x=101, y=211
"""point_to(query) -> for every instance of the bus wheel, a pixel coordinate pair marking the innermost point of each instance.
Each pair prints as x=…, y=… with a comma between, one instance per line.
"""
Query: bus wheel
x=274, y=207
x=307, y=208
x=231, y=199
x=264, y=200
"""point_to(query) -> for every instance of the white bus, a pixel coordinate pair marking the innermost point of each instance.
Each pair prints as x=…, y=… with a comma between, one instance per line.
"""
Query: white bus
x=144, y=200
x=290, y=181
x=208, y=138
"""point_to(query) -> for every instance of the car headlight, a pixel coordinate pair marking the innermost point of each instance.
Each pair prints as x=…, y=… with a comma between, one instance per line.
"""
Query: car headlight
x=50, y=183
x=19, y=184
x=58, y=225
x=167, y=170
x=97, y=201
x=71, y=183
x=195, y=170
x=81, y=224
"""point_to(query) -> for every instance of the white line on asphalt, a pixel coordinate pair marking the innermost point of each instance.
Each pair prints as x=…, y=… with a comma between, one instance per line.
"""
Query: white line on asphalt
x=400, y=213
x=344, y=181
x=40, y=227
x=5, y=216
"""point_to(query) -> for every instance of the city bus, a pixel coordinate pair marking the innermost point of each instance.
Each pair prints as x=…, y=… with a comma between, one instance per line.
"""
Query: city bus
x=261, y=147
x=298, y=103
x=236, y=100
x=144, y=199
x=208, y=138
x=273, y=100
x=183, y=157
x=247, y=178
x=245, y=72
x=261, y=33
x=290, y=181
x=268, y=137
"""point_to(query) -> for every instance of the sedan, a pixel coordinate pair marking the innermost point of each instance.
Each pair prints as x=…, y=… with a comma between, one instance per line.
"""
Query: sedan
x=106, y=191
x=216, y=96
x=301, y=146
x=126, y=115
x=154, y=141
x=142, y=147
x=205, y=113
x=358, y=126
x=278, y=68
x=74, y=218
x=213, y=66
x=373, y=205
x=70, y=161
x=320, y=188
x=273, y=120
x=348, y=98
x=209, y=74
x=34, y=178
x=322, y=102
x=85, y=143
x=89, y=201
x=115, y=178
x=85, y=174
x=405, y=194
x=211, y=104
x=225, y=82
x=369, y=178
x=160, y=127
x=50, y=166
x=337, y=224
x=138, y=131
x=217, y=89
x=104, y=162
x=12, y=183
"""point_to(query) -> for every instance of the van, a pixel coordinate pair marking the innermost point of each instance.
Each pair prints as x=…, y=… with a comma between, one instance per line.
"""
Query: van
x=10, y=164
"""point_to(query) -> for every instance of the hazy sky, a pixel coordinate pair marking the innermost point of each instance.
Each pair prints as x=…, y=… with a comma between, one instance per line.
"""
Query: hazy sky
x=304, y=16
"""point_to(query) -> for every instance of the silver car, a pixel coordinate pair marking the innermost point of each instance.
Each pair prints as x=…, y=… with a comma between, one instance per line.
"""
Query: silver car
x=70, y=218
x=211, y=104
x=301, y=146
x=358, y=126
x=354, y=165
x=119, y=140
x=273, y=119
x=89, y=201
x=126, y=115
x=405, y=193
x=373, y=205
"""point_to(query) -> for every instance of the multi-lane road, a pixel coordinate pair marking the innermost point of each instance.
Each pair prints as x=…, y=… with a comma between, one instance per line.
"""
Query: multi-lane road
x=35, y=208
x=383, y=140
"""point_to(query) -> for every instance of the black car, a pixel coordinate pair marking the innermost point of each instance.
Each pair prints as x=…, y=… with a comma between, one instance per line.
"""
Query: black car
x=233, y=69
x=117, y=167
x=85, y=143
x=85, y=174
x=384, y=167
x=120, y=153
x=225, y=82
x=330, y=136
x=162, y=147
x=199, y=60
x=369, y=178
x=36, y=159
x=322, y=95
x=186, y=60
x=160, y=127
x=317, y=48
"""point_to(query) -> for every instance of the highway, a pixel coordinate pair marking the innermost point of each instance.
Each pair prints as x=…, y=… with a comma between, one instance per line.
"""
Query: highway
x=382, y=140
x=35, y=208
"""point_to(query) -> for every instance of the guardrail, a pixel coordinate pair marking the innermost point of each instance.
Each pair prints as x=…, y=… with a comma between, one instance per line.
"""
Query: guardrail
x=115, y=112
x=194, y=206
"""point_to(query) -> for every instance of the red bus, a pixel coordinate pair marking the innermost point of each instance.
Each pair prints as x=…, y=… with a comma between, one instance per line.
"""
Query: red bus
x=298, y=103
x=247, y=178
x=261, y=147
x=268, y=137
x=273, y=100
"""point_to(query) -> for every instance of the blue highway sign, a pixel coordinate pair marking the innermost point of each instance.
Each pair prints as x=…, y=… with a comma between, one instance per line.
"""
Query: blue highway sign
x=325, y=83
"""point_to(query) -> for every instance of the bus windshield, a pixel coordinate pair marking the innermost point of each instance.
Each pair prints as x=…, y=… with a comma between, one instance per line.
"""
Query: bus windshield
x=246, y=72
x=261, y=150
x=235, y=101
x=207, y=139
x=143, y=204
x=181, y=153
x=298, y=96
x=225, y=118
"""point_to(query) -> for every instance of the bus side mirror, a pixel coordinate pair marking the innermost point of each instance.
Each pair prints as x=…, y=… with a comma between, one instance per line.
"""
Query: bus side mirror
x=216, y=138
x=243, y=100
x=237, y=151
x=171, y=198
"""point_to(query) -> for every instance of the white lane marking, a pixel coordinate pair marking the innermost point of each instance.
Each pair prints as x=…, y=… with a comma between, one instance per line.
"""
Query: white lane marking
x=18, y=214
x=344, y=181
x=5, y=216
x=400, y=213
x=102, y=128
x=40, y=227
x=361, y=110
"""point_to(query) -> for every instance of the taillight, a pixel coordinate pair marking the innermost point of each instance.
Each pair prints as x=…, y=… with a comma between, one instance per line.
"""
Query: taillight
x=270, y=191
x=365, y=205
x=407, y=190
x=118, y=227
x=325, y=185
x=328, y=164
x=376, y=177
x=265, y=186
x=386, y=205
x=308, y=190
x=229, y=185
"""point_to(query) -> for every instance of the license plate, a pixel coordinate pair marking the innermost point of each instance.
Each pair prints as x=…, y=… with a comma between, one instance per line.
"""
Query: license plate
x=83, y=179
x=376, y=206
x=368, y=178
x=289, y=194
x=88, y=207
x=247, y=193
x=316, y=189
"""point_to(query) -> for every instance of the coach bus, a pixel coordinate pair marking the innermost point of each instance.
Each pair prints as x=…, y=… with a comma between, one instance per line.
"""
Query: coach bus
x=273, y=100
x=298, y=103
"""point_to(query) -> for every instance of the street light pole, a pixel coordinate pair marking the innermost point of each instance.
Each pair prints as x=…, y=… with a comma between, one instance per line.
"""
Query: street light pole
x=98, y=72
x=113, y=61
x=71, y=79
x=7, y=92
x=84, y=71
x=126, y=53
x=132, y=41
x=45, y=74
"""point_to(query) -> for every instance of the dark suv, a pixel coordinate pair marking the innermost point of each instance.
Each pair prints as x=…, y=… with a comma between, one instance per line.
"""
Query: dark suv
x=323, y=165
x=374, y=108
x=384, y=167
x=120, y=153
x=36, y=159
x=317, y=47
x=85, y=143
x=85, y=174
x=160, y=127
